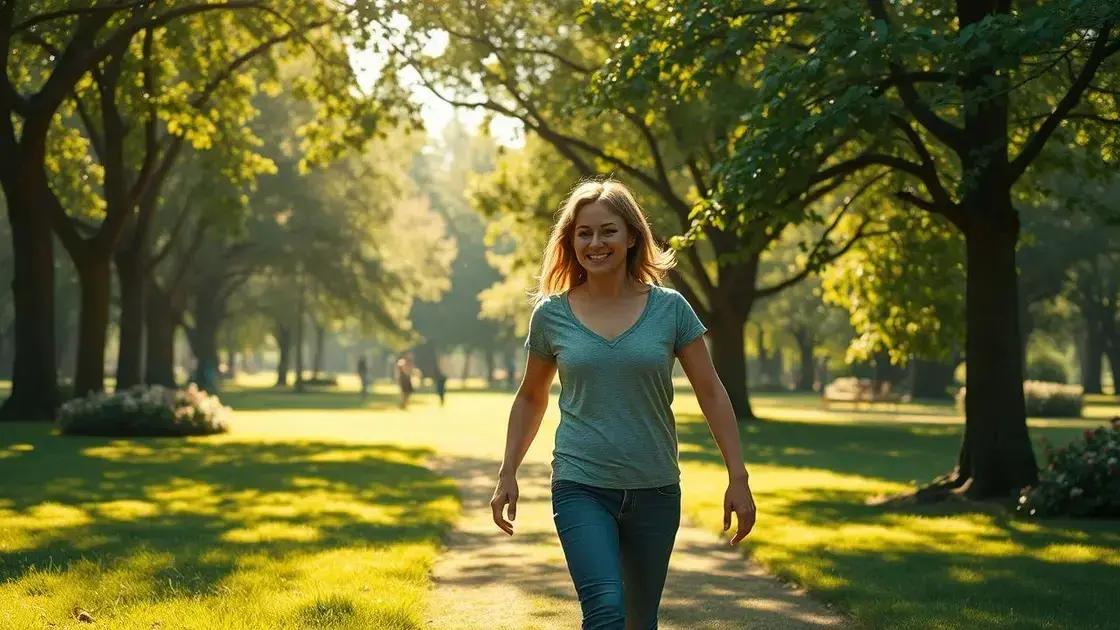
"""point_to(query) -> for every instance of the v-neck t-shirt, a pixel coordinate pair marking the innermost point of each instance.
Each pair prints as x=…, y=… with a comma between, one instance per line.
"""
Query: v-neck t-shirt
x=617, y=429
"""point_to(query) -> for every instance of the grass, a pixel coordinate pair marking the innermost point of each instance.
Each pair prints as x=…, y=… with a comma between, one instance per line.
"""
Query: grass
x=940, y=566
x=221, y=532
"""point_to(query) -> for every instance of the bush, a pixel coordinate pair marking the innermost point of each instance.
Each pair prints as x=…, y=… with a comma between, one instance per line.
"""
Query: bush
x=1050, y=400
x=144, y=410
x=322, y=381
x=1080, y=479
x=1047, y=368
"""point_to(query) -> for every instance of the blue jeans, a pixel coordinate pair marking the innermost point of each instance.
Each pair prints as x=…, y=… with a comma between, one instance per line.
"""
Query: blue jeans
x=617, y=544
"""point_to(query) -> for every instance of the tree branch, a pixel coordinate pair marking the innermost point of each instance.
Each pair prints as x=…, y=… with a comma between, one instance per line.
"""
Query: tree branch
x=1100, y=51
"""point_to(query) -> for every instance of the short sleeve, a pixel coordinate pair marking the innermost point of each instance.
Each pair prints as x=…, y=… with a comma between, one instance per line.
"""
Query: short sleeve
x=689, y=326
x=539, y=340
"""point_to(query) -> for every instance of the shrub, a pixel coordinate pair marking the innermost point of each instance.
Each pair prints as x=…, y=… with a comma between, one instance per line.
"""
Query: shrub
x=1047, y=368
x=1079, y=479
x=1051, y=400
x=144, y=410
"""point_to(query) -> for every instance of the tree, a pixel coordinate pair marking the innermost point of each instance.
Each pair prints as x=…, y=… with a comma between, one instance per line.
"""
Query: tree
x=47, y=50
x=956, y=103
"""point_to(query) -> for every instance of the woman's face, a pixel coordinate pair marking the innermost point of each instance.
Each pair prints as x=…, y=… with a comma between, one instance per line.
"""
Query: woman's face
x=600, y=239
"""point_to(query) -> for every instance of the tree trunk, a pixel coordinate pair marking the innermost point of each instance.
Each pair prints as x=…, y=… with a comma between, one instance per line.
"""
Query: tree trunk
x=1091, y=357
x=466, y=366
x=317, y=359
x=730, y=361
x=491, y=365
x=161, y=320
x=93, y=323
x=999, y=453
x=204, y=343
x=284, y=342
x=807, y=366
x=1114, y=367
x=299, y=339
x=130, y=278
x=34, y=394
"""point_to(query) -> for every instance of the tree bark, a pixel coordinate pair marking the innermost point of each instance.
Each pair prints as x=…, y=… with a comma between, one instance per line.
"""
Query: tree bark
x=998, y=454
x=162, y=320
x=34, y=394
x=1094, y=348
x=728, y=357
x=130, y=279
x=93, y=323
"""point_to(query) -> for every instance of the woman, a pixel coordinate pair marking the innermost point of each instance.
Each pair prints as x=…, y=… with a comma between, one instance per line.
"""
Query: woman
x=603, y=321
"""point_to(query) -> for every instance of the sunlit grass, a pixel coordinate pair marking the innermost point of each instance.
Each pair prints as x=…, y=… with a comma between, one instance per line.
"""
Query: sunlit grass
x=813, y=472
x=223, y=532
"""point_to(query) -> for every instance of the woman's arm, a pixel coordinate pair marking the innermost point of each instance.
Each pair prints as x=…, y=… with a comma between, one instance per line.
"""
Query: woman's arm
x=717, y=409
x=525, y=418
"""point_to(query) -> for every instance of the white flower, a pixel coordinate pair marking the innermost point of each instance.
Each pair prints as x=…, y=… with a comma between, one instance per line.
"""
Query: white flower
x=1111, y=461
x=1076, y=492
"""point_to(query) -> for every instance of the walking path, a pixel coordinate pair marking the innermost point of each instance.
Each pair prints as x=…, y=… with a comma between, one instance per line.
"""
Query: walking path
x=487, y=580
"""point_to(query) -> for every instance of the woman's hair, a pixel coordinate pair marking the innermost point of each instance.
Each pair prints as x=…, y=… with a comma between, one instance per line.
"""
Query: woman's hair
x=646, y=262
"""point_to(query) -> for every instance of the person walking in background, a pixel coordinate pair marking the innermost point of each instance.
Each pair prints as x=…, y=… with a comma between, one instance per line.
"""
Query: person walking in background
x=404, y=378
x=363, y=376
x=603, y=322
x=440, y=380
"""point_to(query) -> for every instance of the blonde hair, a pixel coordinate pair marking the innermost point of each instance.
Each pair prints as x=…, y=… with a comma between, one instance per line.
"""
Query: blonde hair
x=646, y=262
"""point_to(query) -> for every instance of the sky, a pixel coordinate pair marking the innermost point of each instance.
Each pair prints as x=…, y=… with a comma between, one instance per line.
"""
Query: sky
x=435, y=112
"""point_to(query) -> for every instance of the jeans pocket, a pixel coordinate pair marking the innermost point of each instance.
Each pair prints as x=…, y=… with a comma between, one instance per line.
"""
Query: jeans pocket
x=671, y=490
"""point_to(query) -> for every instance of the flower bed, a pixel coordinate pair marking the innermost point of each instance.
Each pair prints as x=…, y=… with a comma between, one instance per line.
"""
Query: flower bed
x=144, y=410
x=1079, y=479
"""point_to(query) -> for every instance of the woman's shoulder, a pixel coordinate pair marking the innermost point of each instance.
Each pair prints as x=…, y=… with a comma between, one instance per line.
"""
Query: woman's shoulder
x=547, y=304
x=665, y=293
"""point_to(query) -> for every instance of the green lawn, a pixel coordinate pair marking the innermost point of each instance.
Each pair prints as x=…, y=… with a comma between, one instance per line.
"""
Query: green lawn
x=931, y=567
x=221, y=532
x=317, y=511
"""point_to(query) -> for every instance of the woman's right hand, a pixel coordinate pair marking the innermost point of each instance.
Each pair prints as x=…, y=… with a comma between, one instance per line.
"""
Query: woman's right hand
x=505, y=494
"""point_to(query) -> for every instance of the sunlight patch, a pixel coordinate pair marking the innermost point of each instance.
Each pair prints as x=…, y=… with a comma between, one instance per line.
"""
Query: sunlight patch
x=272, y=531
x=127, y=510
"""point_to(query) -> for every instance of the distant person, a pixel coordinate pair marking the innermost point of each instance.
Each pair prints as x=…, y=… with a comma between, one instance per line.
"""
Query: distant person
x=602, y=319
x=404, y=378
x=363, y=376
x=441, y=385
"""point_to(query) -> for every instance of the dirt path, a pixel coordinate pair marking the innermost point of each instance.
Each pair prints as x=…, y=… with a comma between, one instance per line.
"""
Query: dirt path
x=487, y=580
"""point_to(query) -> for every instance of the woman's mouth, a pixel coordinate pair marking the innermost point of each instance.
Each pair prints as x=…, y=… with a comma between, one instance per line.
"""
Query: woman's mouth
x=598, y=257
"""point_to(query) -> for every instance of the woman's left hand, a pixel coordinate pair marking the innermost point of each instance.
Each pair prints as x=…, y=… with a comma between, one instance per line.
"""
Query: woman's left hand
x=738, y=499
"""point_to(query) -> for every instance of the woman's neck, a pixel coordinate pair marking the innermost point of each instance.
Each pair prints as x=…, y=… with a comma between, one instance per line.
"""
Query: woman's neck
x=607, y=287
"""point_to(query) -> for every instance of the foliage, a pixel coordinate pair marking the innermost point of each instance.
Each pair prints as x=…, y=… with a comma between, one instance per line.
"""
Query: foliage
x=904, y=292
x=1047, y=367
x=1044, y=400
x=1079, y=479
x=144, y=410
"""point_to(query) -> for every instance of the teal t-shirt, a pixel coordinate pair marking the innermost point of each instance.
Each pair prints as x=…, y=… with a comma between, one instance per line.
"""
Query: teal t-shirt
x=616, y=426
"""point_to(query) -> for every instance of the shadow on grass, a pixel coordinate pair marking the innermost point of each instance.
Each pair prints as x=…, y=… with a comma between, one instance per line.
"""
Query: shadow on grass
x=202, y=508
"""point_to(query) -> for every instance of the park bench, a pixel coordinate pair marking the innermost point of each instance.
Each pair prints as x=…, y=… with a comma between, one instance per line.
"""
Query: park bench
x=860, y=390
